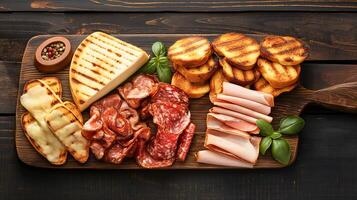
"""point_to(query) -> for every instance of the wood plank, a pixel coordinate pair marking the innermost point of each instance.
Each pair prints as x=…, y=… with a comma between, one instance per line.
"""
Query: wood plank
x=326, y=159
x=331, y=34
x=293, y=105
x=9, y=84
x=176, y=5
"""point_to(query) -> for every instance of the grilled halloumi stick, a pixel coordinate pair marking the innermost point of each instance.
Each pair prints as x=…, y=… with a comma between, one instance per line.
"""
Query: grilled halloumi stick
x=38, y=99
x=68, y=129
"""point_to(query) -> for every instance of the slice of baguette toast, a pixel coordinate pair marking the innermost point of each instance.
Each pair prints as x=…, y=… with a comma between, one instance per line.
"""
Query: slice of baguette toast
x=235, y=75
x=100, y=63
x=216, y=84
x=68, y=129
x=278, y=76
x=198, y=74
x=38, y=98
x=44, y=142
x=263, y=86
x=240, y=50
x=285, y=50
x=190, y=51
x=193, y=90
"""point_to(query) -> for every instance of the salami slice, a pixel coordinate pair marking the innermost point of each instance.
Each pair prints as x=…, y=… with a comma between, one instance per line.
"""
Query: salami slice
x=169, y=93
x=163, y=145
x=144, y=159
x=97, y=149
x=116, y=122
x=172, y=117
x=185, y=141
x=116, y=153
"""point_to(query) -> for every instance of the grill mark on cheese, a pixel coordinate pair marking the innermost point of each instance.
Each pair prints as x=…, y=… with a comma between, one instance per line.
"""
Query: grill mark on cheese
x=102, y=54
x=80, y=83
x=89, y=77
x=135, y=49
x=110, y=66
x=97, y=71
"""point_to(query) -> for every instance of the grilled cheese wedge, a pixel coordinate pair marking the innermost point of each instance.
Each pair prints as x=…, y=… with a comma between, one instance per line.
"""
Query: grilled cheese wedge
x=240, y=50
x=68, y=129
x=235, y=75
x=198, y=74
x=263, y=86
x=190, y=51
x=278, y=76
x=285, y=50
x=100, y=63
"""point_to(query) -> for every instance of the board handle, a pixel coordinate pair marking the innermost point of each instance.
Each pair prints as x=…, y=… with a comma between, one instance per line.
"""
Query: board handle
x=342, y=97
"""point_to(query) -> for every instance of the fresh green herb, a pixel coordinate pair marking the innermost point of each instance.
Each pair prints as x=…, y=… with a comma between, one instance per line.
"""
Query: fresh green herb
x=266, y=129
x=291, y=125
x=280, y=148
x=265, y=144
x=159, y=63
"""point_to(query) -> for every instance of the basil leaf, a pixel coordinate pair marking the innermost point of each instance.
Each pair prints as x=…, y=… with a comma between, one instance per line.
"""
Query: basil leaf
x=291, y=125
x=280, y=150
x=275, y=135
x=149, y=67
x=164, y=61
x=265, y=128
x=265, y=144
x=164, y=74
x=158, y=48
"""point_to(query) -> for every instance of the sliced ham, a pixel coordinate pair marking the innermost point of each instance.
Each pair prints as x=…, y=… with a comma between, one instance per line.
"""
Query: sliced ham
x=233, y=114
x=242, y=92
x=258, y=107
x=243, y=110
x=235, y=122
x=241, y=147
x=214, y=158
x=214, y=124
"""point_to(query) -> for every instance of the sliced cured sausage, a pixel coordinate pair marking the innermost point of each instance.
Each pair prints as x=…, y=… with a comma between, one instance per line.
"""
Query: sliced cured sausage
x=169, y=93
x=185, y=141
x=97, y=149
x=144, y=159
x=164, y=145
x=116, y=153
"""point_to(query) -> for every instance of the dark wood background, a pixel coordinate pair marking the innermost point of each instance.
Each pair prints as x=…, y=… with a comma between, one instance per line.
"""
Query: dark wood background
x=326, y=166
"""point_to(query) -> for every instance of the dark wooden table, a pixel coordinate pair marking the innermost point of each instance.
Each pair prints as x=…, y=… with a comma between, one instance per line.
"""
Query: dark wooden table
x=326, y=167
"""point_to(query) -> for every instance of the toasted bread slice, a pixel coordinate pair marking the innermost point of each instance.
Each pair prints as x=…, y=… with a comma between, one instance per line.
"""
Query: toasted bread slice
x=285, y=50
x=240, y=50
x=190, y=51
x=53, y=82
x=278, y=76
x=263, y=86
x=100, y=63
x=198, y=74
x=68, y=129
x=235, y=75
x=43, y=140
x=193, y=90
x=216, y=84
x=74, y=109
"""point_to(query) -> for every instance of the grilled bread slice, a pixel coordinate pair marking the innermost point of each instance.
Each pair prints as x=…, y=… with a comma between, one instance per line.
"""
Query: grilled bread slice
x=38, y=99
x=68, y=129
x=216, y=84
x=198, y=74
x=100, y=63
x=74, y=109
x=53, y=82
x=193, y=90
x=263, y=86
x=43, y=140
x=190, y=51
x=285, y=50
x=278, y=76
x=240, y=50
x=235, y=75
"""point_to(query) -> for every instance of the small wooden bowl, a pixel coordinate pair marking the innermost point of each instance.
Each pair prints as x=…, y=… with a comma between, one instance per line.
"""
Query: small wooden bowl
x=57, y=64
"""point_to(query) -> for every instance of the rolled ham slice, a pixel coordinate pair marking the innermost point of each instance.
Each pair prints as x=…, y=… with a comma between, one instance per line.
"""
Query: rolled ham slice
x=240, y=147
x=214, y=158
x=242, y=92
x=235, y=122
x=214, y=124
x=233, y=114
x=258, y=107
x=243, y=110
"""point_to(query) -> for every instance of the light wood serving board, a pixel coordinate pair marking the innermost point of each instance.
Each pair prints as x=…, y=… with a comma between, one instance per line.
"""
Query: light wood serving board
x=340, y=97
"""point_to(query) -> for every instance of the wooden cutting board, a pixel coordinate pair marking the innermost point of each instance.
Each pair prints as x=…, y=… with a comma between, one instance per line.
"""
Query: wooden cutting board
x=340, y=97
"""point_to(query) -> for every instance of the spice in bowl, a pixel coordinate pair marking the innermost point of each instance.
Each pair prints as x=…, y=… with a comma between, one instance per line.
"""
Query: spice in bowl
x=53, y=55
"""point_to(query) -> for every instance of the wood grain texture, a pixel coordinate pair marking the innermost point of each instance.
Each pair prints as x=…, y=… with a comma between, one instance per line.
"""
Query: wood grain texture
x=176, y=5
x=331, y=35
x=198, y=108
